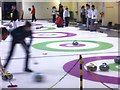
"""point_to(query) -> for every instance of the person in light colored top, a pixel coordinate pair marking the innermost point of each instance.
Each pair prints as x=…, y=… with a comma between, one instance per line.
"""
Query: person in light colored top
x=3, y=35
x=88, y=15
x=54, y=10
x=94, y=16
x=66, y=16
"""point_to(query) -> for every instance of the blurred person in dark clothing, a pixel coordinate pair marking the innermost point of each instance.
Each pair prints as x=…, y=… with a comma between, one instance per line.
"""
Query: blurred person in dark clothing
x=19, y=35
x=61, y=10
x=14, y=14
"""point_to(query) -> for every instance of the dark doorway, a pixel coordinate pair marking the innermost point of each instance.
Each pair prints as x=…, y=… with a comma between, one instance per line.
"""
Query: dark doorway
x=6, y=9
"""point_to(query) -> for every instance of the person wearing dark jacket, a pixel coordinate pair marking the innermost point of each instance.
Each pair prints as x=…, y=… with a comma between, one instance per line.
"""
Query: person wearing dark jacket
x=14, y=14
x=19, y=34
x=61, y=10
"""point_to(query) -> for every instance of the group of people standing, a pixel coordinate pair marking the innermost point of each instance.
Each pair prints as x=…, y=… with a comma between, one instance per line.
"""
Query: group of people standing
x=18, y=15
x=62, y=16
x=89, y=16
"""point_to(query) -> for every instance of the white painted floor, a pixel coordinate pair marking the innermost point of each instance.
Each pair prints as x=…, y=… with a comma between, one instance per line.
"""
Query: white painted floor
x=51, y=64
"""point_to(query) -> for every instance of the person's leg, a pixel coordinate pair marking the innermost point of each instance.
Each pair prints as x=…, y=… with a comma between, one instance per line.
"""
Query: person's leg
x=54, y=16
x=91, y=25
x=35, y=18
x=59, y=26
x=27, y=56
x=95, y=24
x=66, y=21
x=22, y=17
x=84, y=19
x=14, y=24
x=32, y=17
x=10, y=54
x=87, y=23
x=1, y=67
x=81, y=18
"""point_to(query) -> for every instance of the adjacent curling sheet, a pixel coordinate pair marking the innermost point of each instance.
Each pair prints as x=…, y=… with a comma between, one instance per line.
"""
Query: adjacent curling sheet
x=0, y=15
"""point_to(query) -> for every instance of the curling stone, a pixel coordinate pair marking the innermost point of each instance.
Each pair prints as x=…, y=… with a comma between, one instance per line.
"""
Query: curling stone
x=37, y=28
x=117, y=60
x=41, y=27
x=38, y=77
x=10, y=26
x=7, y=76
x=75, y=42
x=92, y=67
x=104, y=67
x=44, y=53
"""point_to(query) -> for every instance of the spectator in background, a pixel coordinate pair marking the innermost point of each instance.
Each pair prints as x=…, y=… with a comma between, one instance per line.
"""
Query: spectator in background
x=59, y=7
x=66, y=16
x=54, y=10
x=83, y=15
x=61, y=10
x=59, y=21
x=94, y=16
x=88, y=15
x=33, y=13
x=14, y=14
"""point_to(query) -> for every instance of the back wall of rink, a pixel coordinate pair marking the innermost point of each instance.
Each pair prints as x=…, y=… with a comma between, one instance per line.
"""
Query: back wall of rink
x=43, y=9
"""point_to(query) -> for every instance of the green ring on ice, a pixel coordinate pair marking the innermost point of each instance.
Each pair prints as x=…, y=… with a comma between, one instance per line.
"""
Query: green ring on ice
x=113, y=67
x=101, y=46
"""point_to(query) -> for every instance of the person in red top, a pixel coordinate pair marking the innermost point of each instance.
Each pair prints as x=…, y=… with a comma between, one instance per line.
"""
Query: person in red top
x=59, y=21
x=33, y=13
